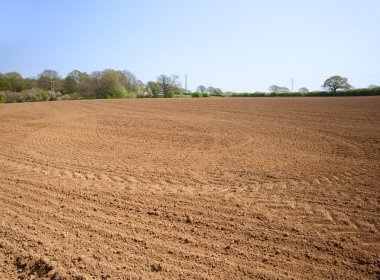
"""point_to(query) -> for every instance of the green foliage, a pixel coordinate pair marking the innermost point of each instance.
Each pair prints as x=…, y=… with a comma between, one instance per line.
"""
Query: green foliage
x=196, y=94
x=287, y=94
x=2, y=97
x=153, y=89
x=12, y=81
x=48, y=80
x=44, y=95
x=351, y=92
x=167, y=84
x=118, y=92
x=170, y=94
x=201, y=89
x=335, y=83
x=69, y=85
x=76, y=96
x=205, y=94
x=248, y=94
x=183, y=95
x=276, y=89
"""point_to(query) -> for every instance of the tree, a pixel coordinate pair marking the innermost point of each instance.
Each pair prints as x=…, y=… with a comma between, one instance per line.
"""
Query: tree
x=335, y=83
x=303, y=90
x=48, y=80
x=201, y=89
x=214, y=91
x=4, y=83
x=373, y=86
x=14, y=80
x=29, y=83
x=168, y=84
x=277, y=89
x=83, y=83
x=69, y=85
x=153, y=88
x=274, y=89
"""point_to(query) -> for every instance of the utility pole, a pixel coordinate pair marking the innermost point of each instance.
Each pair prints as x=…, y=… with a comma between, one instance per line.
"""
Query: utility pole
x=292, y=85
x=52, y=85
x=186, y=82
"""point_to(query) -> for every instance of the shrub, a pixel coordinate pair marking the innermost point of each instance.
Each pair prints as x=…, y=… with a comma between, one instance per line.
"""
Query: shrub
x=205, y=94
x=196, y=94
x=2, y=97
x=64, y=97
x=120, y=92
x=144, y=95
x=170, y=94
x=76, y=96
x=53, y=96
x=44, y=95
x=248, y=94
x=10, y=96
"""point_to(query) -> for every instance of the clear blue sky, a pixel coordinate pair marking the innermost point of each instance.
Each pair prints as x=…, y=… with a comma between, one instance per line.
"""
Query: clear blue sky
x=237, y=45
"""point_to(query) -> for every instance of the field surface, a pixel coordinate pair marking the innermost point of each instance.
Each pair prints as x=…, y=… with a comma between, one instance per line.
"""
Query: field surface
x=261, y=188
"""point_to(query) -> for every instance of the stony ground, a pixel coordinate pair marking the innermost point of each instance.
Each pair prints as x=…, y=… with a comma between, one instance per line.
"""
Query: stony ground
x=262, y=188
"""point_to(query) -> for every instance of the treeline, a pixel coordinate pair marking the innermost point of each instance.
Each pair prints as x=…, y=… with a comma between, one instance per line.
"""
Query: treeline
x=109, y=83
x=350, y=92
x=76, y=85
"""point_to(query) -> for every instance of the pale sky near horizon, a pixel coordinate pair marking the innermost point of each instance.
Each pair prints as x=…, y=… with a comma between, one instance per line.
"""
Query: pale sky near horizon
x=239, y=45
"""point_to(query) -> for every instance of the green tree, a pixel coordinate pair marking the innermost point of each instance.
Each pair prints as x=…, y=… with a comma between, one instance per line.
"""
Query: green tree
x=196, y=94
x=4, y=83
x=153, y=88
x=202, y=89
x=303, y=90
x=69, y=85
x=15, y=81
x=277, y=89
x=49, y=80
x=29, y=83
x=83, y=83
x=335, y=83
x=214, y=91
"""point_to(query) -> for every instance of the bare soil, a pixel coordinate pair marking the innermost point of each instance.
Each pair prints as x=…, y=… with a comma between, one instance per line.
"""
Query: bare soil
x=262, y=188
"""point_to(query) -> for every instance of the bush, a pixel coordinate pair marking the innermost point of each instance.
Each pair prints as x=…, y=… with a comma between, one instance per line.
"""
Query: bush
x=64, y=97
x=350, y=92
x=53, y=96
x=196, y=94
x=44, y=95
x=170, y=94
x=2, y=97
x=248, y=94
x=205, y=94
x=76, y=96
x=144, y=95
x=120, y=92
x=10, y=96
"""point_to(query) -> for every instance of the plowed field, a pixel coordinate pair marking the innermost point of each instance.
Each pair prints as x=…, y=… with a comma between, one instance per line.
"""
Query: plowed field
x=256, y=188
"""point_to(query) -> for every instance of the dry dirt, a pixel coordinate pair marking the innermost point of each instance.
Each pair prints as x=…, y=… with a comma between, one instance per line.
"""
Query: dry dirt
x=262, y=188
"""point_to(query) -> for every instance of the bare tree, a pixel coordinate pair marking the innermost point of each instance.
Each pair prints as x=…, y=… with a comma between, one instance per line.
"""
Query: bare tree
x=168, y=84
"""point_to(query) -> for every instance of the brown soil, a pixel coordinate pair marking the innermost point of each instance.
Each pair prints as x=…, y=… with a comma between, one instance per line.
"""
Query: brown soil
x=284, y=188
